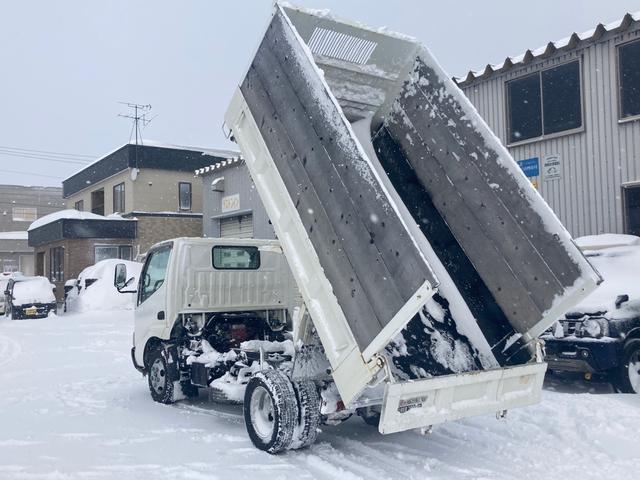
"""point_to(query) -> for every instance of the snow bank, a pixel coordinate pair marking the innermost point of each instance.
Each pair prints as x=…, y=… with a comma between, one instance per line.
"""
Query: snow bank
x=70, y=214
x=100, y=294
x=33, y=290
x=619, y=266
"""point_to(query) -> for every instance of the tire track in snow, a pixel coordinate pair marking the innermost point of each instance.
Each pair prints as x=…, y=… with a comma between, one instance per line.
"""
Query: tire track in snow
x=10, y=350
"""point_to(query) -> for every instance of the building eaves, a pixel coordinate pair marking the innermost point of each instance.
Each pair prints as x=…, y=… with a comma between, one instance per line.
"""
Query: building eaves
x=219, y=166
x=566, y=44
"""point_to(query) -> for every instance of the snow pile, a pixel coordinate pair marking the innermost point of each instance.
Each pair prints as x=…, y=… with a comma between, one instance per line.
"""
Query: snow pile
x=619, y=268
x=32, y=290
x=70, y=214
x=97, y=291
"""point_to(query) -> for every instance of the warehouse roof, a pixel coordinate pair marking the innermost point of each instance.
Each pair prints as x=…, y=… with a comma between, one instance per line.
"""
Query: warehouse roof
x=568, y=43
x=219, y=166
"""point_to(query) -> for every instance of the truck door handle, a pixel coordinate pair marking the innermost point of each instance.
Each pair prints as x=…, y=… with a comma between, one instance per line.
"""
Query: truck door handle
x=161, y=315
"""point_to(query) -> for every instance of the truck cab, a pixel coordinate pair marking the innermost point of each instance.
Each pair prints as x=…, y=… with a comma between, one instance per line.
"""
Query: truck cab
x=190, y=281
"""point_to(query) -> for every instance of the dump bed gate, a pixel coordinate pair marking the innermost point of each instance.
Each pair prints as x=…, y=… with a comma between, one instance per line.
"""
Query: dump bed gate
x=364, y=218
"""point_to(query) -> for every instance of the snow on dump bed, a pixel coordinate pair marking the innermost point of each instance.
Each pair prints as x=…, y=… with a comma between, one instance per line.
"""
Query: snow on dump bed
x=100, y=292
x=32, y=290
x=70, y=214
x=619, y=267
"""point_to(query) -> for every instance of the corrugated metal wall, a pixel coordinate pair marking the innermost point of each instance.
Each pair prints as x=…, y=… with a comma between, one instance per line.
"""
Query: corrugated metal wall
x=596, y=161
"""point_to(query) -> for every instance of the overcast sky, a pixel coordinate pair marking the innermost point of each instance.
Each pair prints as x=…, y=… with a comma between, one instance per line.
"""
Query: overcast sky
x=65, y=65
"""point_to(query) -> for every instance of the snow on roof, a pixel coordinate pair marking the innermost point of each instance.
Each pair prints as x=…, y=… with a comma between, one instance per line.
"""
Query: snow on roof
x=70, y=214
x=14, y=235
x=220, y=165
x=215, y=152
x=567, y=43
x=606, y=240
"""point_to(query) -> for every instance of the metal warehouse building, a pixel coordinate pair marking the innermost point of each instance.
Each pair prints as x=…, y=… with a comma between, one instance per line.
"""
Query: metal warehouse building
x=569, y=113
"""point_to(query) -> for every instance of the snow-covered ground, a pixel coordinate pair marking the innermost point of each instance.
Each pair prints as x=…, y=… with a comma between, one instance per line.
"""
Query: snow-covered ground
x=72, y=406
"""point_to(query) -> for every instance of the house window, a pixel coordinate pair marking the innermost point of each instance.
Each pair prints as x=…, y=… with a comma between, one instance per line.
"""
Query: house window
x=79, y=205
x=56, y=264
x=545, y=102
x=97, y=202
x=184, y=195
x=105, y=252
x=25, y=214
x=629, y=78
x=118, y=198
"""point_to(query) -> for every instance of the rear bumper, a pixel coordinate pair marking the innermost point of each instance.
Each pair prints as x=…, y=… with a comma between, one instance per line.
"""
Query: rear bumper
x=572, y=354
x=436, y=400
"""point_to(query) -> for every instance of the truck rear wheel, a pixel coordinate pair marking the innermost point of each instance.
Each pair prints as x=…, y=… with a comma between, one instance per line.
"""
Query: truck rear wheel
x=270, y=411
x=309, y=413
x=628, y=375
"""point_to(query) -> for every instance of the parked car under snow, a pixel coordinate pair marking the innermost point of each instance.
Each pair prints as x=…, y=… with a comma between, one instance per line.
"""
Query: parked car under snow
x=94, y=290
x=29, y=297
x=601, y=336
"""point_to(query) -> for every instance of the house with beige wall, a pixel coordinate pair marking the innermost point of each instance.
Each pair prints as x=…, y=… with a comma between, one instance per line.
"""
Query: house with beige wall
x=152, y=183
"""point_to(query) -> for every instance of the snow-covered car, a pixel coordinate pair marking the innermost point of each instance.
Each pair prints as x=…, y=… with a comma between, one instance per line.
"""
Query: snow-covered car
x=94, y=290
x=29, y=297
x=4, y=281
x=601, y=336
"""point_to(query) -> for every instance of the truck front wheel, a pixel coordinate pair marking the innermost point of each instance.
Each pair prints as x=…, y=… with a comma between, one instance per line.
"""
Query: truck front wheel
x=161, y=384
x=628, y=380
x=270, y=411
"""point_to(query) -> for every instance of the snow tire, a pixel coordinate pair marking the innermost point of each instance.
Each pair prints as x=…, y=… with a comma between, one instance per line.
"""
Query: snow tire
x=270, y=411
x=630, y=360
x=308, y=413
x=161, y=376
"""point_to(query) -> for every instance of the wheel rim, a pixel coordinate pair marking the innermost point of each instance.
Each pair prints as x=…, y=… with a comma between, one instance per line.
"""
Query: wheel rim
x=634, y=371
x=262, y=414
x=158, y=376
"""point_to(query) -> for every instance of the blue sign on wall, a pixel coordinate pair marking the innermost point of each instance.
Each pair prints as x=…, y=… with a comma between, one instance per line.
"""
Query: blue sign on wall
x=530, y=166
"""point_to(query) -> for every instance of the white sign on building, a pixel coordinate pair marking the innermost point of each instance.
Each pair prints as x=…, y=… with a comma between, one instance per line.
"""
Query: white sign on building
x=551, y=167
x=231, y=203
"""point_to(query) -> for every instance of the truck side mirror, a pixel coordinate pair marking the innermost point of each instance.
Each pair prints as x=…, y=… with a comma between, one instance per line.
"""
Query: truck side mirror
x=120, y=276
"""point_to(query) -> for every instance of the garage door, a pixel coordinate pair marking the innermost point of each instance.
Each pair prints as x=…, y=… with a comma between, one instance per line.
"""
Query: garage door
x=237, y=227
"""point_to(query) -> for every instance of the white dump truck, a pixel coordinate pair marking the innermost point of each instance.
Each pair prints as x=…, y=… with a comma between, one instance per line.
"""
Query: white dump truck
x=426, y=263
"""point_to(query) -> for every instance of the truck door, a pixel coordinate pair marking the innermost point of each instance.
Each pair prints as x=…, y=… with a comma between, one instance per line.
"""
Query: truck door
x=152, y=300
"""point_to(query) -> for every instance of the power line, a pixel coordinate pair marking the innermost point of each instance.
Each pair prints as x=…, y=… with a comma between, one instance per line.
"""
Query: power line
x=30, y=150
x=30, y=174
x=48, y=159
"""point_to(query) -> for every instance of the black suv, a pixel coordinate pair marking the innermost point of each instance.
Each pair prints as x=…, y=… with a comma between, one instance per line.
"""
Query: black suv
x=29, y=297
x=601, y=337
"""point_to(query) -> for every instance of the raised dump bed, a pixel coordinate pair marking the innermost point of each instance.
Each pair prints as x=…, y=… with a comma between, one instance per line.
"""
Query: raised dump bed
x=408, y=226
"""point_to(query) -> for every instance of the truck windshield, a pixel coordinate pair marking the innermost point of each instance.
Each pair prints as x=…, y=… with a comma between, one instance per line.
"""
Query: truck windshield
x=153, y=273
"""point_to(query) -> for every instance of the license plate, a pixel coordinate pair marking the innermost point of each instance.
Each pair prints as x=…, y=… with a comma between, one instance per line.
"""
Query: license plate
x=31, y=311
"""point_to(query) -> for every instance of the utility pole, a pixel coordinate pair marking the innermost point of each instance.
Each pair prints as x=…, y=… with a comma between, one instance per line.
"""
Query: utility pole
x=139, y=116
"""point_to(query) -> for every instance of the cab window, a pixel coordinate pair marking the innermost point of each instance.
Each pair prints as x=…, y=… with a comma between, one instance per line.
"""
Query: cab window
x=236, y=258
x=153, y=272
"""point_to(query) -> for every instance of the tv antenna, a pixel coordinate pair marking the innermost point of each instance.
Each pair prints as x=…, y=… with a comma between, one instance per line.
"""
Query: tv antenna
x=139, y=118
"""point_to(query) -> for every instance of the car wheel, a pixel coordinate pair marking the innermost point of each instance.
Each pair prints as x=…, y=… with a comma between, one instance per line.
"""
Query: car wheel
x=628, y=375
x=161, y=382
x=270, y=411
